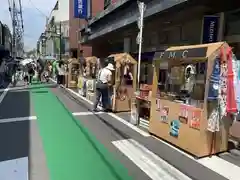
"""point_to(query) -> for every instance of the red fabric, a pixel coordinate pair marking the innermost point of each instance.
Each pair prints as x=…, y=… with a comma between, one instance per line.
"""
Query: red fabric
x=231, y=99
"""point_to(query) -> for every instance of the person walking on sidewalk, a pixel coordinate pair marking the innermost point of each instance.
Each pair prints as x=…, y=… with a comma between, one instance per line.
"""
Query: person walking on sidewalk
x=102, y=87
x=61, y=73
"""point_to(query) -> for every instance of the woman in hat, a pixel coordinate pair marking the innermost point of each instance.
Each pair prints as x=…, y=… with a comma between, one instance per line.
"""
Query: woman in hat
x=102, y=87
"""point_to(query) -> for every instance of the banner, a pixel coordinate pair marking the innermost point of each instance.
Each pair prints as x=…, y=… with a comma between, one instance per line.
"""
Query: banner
x=210, y=29
x=81, y=9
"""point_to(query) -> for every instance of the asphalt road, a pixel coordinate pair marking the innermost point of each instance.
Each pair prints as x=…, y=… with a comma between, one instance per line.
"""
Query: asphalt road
x=107, y=130
x=20, y=138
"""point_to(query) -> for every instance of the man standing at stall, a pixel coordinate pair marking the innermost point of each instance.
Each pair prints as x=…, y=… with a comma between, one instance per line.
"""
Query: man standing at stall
x=104, y=79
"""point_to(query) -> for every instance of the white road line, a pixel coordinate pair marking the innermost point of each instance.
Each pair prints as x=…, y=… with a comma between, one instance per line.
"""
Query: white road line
x=214, y=163
x=221, y=166
x=133, y=127
x=85, y=113
x=16, y=169
x=155, y=167
x=3, y=94
x=175, y=148
x=22, y=87
x=30, y=118
x=17, y=119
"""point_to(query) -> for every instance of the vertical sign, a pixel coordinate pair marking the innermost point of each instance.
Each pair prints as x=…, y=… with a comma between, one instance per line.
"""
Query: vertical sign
x=210, y=29
x=81, y=9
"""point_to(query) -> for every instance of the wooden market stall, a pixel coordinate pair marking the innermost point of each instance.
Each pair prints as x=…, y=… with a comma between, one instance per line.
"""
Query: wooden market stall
x=73, y=71
x=180, y=110
x=124, y=81
x=91, y=71
x=143, y=99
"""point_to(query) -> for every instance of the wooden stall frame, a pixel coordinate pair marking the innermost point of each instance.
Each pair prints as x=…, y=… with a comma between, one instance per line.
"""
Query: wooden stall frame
x=90, y=62
x=69, y=73
x=201, y=142
x=120, y=59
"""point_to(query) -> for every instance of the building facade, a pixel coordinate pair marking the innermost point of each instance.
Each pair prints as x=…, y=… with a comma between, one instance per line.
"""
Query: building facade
x=75, y=24
x=166, y=23
x=56, y=35
x=5, y=37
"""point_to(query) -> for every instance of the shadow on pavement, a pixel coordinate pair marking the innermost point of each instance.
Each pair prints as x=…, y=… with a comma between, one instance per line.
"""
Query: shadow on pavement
x=119, y=132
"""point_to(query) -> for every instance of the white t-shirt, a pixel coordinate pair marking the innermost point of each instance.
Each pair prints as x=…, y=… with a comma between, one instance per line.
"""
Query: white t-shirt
x=61, y=70
x=104, y=75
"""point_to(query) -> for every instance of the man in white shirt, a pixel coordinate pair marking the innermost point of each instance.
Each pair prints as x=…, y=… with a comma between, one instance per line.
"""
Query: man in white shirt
x=103, y=80
x=61, y=73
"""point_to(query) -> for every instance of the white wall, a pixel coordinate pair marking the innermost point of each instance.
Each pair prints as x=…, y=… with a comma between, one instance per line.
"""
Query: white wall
x=62, y=14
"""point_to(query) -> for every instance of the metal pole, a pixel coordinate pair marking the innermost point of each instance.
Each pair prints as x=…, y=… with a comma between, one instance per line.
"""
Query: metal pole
x=14, y=29
x=142, y=9
x=60, y=41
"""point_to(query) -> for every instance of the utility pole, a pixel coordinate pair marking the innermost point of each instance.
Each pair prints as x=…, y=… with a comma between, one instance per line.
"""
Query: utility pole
x=60, y=40
x=142, y=8
x=14, y=29
x=15, y=10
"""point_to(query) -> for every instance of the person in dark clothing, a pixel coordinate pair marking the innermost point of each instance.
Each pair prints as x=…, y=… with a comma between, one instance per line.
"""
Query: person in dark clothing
x=31, y=73
x=40, y=69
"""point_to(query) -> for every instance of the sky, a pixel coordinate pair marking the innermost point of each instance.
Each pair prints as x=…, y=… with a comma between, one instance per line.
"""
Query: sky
x=34, y=21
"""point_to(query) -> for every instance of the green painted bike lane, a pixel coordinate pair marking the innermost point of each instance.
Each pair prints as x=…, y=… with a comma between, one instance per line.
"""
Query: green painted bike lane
x=72, y=152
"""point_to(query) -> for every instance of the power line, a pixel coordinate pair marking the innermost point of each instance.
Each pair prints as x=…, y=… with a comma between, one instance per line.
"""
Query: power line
x=42, y=13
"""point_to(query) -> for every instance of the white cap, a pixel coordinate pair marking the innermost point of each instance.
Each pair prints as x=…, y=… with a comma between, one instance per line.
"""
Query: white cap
x=110, y=67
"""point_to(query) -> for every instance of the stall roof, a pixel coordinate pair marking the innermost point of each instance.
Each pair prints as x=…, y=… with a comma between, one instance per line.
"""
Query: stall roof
x=72, y=60
x=191, y=51
x=92, y=59
x=122, y=57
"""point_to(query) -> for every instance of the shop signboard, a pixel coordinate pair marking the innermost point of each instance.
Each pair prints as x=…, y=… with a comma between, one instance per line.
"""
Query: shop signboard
x=164, y=114
x=184, y=114
x=81, y=9
x=185, y=53
x=210, y=29
x=195, y=118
